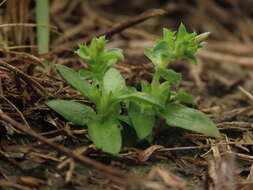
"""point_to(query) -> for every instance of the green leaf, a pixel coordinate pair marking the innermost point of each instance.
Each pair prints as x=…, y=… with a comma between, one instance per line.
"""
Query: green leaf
x=171, y=76
x=92, y=53
x=74, y=79
x=96, y=47
x=152, y=56
x=85, y=74
x=75, y=112
x=143, y=119
x=113, y=82
x=129, y=136
x=162, y=92
x=141, y=97
x=83, y=52
x=94, y=93
x=185, y=98
x=100, y=43
x=168, y=36
x=181, y=116
x=99, y=60
x=159, y=54
x=145, y=87
x=175, y=46
x=192, y=58
x=106, y=135
x=182, y=32
x=114, y=53
x=161, y=47
x=125, y=119
x=187, y=44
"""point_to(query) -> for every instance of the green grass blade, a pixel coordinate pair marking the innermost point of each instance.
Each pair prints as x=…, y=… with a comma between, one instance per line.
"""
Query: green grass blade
x=42, y=18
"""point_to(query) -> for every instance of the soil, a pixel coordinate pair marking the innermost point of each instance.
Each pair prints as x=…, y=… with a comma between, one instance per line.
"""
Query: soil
x=221, y=84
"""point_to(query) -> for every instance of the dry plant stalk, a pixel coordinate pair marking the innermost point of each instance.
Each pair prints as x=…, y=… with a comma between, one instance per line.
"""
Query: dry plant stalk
x=221, y=171
x=17, y=12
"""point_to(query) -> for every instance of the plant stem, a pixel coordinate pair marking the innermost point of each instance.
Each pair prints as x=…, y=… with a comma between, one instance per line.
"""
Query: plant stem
x=102, y=103
x=42, y=18
x=155, y=81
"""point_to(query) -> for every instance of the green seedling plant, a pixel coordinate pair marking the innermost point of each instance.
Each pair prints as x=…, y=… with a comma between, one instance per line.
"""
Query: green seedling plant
x=104, y=86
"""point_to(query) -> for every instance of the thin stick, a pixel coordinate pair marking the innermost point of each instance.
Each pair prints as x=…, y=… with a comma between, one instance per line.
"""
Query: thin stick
x=114, y=30
x=3, y=1
x=36, y=86
x=17, y=110
x=112, y=173
x=27, y=25
x=245, y=92
x=133, y=21
x=227, y=58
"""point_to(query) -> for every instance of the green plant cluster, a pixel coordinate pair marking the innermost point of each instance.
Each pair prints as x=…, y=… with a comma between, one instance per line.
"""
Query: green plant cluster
x=107, y=123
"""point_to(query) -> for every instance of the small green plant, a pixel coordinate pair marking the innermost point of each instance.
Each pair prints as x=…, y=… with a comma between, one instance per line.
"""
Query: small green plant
x=108, y=91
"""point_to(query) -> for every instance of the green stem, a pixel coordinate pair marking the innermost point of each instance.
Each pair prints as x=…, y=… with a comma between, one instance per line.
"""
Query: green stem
x=42, y=18
x=101, y=108
x=155, y=81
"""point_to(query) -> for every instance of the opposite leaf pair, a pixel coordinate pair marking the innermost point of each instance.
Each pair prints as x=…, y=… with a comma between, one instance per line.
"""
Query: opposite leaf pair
x=109, y=92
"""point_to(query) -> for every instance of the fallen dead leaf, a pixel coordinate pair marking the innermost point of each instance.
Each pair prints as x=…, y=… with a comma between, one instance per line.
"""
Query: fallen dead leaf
x=145, y=155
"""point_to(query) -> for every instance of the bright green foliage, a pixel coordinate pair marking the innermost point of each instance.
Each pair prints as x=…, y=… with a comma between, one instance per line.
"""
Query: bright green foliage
x=141, y=97
x=114, y=83
x=108, y=91
x=171, y=76
x=174, y=46
x=77, y=113
x=98, y=59
x=106, y=135
x=180, y=116
x=182, y=97
x=74, y=79
x=143, y=119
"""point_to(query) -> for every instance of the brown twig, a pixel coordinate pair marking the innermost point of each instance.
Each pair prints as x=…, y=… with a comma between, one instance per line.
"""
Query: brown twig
x=17, y=110
x=227, y=58
x=36, y=86
x=27, y=25
x=5, y=183
x=112, y=173
x=245, y=92
x=133, y=21
x=115, y=29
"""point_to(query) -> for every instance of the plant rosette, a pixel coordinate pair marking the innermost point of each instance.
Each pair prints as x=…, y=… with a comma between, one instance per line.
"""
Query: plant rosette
x=107, y=124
